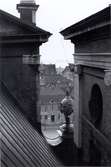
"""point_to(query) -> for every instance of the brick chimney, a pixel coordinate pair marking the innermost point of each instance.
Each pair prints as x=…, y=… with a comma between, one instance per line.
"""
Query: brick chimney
x=27, y=10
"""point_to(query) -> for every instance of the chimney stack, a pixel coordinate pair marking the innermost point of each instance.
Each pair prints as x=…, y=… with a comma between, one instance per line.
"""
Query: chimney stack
x=27, y=10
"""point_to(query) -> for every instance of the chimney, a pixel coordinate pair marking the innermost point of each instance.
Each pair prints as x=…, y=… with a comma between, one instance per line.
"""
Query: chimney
x=27, y=10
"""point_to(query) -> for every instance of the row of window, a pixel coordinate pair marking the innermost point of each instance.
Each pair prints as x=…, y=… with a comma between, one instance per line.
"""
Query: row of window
x=49, y=107
x=52, y=117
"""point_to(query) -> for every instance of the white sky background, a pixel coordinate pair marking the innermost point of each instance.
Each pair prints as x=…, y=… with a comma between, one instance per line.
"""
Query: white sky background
x=54, y=16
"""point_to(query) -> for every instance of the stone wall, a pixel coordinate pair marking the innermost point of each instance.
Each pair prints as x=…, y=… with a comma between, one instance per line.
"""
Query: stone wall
x=20, y=79
x=94, y=46
x=90, y=78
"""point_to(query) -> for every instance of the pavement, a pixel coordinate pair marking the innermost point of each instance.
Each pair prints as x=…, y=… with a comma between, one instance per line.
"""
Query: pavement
x=52, y=134
x=63, y=148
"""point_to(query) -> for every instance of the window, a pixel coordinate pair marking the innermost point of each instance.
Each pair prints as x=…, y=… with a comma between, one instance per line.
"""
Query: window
x=46, y=117
x=96, y=105
x=40, y=117
x=52, y=118
x=58, y=116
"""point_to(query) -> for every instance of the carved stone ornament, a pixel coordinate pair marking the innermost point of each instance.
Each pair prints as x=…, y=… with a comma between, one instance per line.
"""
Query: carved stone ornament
x=27, y=1
x=78, y=69
x=107, y=77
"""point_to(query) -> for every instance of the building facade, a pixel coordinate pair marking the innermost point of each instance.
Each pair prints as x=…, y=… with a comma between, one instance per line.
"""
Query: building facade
x=50, y=113
x=92, y=86
x=50, y=98
x=19, y=57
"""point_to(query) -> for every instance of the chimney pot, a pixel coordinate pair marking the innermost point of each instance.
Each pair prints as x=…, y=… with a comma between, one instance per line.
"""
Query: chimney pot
x=27, y=10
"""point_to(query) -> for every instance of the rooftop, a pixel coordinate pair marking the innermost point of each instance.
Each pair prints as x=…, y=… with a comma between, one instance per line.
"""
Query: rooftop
x=95, y=21
x=21, y=144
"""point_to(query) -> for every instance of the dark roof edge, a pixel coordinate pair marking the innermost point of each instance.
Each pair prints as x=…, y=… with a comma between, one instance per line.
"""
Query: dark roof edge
x=81, y=23
x=25, y=25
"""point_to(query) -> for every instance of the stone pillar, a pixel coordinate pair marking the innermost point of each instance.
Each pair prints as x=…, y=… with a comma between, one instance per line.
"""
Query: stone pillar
x=77, y=105
x=34, y=62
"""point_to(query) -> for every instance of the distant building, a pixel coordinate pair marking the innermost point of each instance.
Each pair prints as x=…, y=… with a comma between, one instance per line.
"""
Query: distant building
x=50, y=78
x=67, y=73
x=50, y=99
x=59, y=70
x=47, y=74
x=47, y=69
x=92, y=86
x=52, y=91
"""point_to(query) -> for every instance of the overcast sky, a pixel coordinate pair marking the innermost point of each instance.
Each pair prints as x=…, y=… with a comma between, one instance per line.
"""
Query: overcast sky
x=54, y=16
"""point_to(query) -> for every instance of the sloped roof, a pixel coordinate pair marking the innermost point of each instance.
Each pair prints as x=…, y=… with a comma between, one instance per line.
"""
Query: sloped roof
x=48, y=69
x=21, y=145
x=57, y=80
x=66, y=69
x=31, y=28
x=51, y=93
x=95, y=21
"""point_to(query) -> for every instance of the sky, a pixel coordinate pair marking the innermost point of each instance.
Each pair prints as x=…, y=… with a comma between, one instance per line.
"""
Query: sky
x=54, y=16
